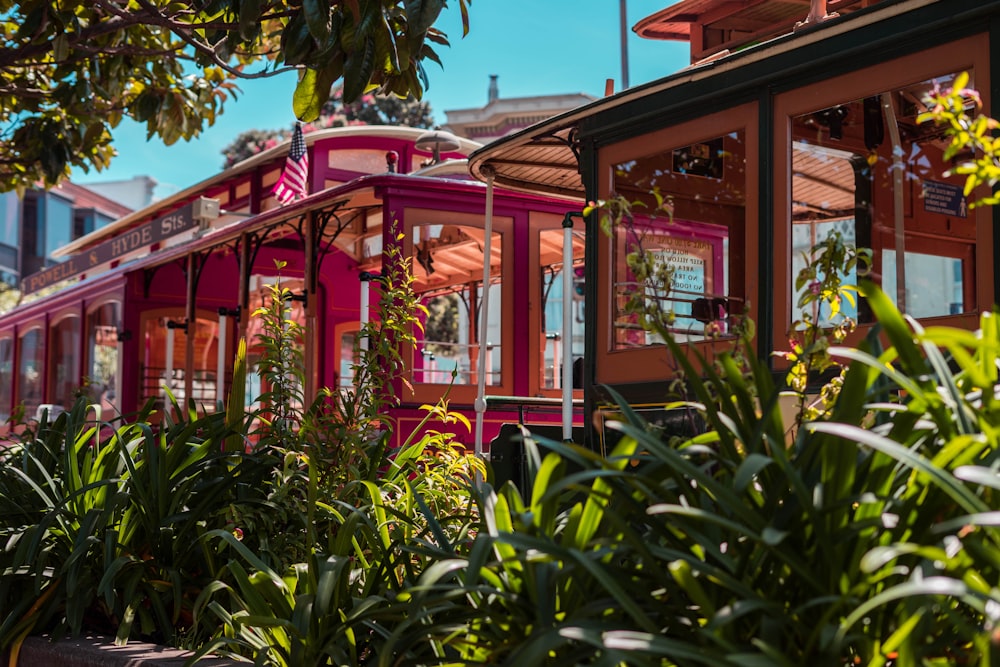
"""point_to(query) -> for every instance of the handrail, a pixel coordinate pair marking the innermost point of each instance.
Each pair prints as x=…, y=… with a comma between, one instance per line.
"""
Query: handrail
x=528, y=401
x=525, y=402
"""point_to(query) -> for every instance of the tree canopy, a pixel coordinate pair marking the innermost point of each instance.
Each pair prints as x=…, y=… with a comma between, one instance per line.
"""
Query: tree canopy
x=70, y=70
x=366, y=110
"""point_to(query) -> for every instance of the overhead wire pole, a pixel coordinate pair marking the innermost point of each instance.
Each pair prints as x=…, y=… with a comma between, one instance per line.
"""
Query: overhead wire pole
x=624, y=28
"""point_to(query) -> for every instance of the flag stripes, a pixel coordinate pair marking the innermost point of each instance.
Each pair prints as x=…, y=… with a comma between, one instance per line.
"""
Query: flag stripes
x=293, y=181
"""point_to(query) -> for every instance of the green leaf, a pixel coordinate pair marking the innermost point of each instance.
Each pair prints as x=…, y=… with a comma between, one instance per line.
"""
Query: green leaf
x=358, y=68
x=296, y=41
x=421, y=14
x=317, y=13
x=249, y=18
x=749, y=469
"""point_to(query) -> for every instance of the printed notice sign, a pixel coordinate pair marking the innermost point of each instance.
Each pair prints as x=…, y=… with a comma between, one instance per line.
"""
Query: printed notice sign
x=687, y=257
x=944, y=198
x=695, y=255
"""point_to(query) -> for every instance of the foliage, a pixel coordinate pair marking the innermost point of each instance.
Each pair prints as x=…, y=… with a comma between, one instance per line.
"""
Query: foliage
x=973, y=146
x=70, y=71
x=822, y=321
x=102, y=532
x=369, y=109
x=868, y=537
x=249, y=143
x=368, y=513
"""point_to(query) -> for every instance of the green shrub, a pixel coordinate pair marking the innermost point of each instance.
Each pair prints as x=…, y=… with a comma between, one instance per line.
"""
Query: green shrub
x=105, y=535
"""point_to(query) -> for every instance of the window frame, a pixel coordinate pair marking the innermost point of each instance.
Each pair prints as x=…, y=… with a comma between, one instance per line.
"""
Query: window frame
x=967, y=54
x=652, y=363
x=426, y=392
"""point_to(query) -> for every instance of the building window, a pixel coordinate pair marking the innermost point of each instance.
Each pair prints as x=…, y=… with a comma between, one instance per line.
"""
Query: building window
x=58, y=223
x=10, y=219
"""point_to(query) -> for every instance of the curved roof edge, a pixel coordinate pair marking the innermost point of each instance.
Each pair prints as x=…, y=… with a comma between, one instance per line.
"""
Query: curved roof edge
x=279, y=151
x=542, y=158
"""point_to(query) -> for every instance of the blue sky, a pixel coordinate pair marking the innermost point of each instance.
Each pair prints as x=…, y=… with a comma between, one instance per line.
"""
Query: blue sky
x=536, y=47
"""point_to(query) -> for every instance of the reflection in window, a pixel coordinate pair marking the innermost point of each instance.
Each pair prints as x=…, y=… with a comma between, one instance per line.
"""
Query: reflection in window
x=848, y=161
x=31, y=366
x=6, y=377
x=804, y=238
x=550, y=250
x=687, y=237
x=10, y=219
x=448, y=275
x=934, y=284
x=293, y=310
x=64, y=369
x=163, y=364
x=348, y=359
x=58, y=223
x=102, y=354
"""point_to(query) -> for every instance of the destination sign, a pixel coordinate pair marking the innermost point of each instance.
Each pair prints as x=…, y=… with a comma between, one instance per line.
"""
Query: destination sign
x=121, y=245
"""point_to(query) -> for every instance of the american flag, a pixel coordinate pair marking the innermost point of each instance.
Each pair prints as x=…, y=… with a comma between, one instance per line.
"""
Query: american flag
x=292, y=183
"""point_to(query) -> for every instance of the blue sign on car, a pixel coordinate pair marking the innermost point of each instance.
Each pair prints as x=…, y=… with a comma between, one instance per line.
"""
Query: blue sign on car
x=944, y=198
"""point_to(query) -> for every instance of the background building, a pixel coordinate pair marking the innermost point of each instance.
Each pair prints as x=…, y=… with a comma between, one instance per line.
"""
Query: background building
x=501, y=117
x=33, y=227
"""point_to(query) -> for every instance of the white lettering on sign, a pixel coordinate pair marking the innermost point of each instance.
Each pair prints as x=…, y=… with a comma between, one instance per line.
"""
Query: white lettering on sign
x=944, y=198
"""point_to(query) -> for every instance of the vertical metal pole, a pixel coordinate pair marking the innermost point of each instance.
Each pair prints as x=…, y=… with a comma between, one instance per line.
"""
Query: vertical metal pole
x=220, y=370
x=243, y=289
x=192, y=327
x=120, y=357
x=567, y=328
x=365, y=315
x=897, y=192
x=309, y=342
x=484, y=313
x=168, y=372
x=624, y=28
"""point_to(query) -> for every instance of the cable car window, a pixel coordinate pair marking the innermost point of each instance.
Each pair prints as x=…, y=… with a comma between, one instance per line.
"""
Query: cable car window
x=6, y=376
x=31, y=366
x=164, y=363
x=447, y=266
x=553, y=338
x=292, y=310
x=865, y=168
x=686, y=204
x=102, y=355
x=64, y=369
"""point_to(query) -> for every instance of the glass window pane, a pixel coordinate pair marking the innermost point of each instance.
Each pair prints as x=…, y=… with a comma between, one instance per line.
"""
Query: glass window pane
x=293, y=310
x=58, y=223
x=348, y=359
x=687, y=204
x=866, y=169
x=448, y=275
x=6, y=377
x=163, y=363
x=64, y=369
x=552, y=335
x=10, y=219
x=934, y=284
x=31, y=366
x=102, y=354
